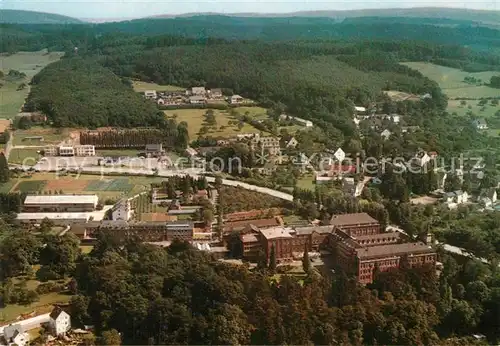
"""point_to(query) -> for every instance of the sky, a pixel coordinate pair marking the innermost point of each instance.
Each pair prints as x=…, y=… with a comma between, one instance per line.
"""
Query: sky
x=119, y=9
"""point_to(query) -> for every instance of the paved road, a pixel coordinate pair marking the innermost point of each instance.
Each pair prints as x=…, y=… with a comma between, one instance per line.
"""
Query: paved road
x=8, y=146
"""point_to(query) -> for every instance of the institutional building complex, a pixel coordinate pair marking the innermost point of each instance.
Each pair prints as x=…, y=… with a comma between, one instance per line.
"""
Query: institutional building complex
x=357, y=242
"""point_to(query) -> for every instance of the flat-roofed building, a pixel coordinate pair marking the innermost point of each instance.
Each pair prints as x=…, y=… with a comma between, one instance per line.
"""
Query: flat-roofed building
x=59, y=219
x=60, y=203
x=150, y=230
x=66, y=151
x=85, y=150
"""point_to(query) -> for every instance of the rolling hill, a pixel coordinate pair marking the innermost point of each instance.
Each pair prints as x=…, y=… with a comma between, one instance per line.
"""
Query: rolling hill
x=32, y=17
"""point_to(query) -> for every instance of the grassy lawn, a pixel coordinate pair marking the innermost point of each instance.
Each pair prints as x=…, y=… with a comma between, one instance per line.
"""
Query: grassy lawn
x=29, y=63
x=118, y=153
x=306, y=182
x=451, y=80
x=255, y=112
x=86, y=248
x=28, y=157
x=6, y=187
x=454, y=106
x=494, y=133
x=143, y=86
x=45, y=304
x=195, y=120
x=50, y=136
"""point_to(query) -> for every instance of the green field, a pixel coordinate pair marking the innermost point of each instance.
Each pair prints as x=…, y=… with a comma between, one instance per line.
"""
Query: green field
x=29, y=63
x=455, y=106
x=143, y=86
x=27, y=157
x=31, y=186
x=195, y=120
x=451, y=80
x=121, y=184
x=50, y=136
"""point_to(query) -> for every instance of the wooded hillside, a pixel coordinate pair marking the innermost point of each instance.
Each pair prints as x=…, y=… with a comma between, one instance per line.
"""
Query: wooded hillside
x=78, y=92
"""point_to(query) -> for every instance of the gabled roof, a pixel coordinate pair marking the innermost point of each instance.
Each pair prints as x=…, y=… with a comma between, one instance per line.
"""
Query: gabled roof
x=351, y=219
x=56, y=312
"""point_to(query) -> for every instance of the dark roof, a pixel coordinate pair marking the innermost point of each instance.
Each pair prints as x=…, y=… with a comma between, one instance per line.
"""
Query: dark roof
x=272, y=222
x=56, y=312
x=379, y=236
x=394, y=250
x=343, y=220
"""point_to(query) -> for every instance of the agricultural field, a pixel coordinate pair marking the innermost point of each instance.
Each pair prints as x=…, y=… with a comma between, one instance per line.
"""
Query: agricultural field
x=107, y=187
x=258, y=113
x=451, y=80
x=12, y=96
x=196, y=120
x=25, y=156
x=140, y=86
x=50, y=136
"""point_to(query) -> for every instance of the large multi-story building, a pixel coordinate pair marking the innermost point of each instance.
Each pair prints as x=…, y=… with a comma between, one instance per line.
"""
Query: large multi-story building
x=267, y=144
x=149, y=230
x=77, y=150
x=356, y=241
x=359, y=255
x=60, y=203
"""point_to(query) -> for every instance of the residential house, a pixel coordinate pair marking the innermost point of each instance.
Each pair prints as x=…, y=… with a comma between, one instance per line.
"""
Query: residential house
x=197, y=99
x=14, y=334
x=236, y=99
x=292, y=143
x=191, y=152
x=301, y=122
x=154, y=150
x=489, y=193
x=350, y=187
x=386, y=134
x=150, y=94
x=421, y=159
x=160, y=102
x=200, y=91
x=359, y=110
x=269, y=144
x=480, y=124
x=395, y=118
x=486, y=202
x=455, y=198
x=60, y=321
x=405, y=129
x=216, y=93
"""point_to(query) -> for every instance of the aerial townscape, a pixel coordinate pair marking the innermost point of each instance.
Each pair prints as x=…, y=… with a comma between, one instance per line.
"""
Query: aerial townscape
x=292, y=178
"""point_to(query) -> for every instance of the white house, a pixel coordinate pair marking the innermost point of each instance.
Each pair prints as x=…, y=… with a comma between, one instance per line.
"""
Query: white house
x=150, y=94
x=122, y=210
x=198, y=91
x=480, y=124
x=395, y=118
x=486, y=202
x=491, y=194
x=197, y=99
x=359, y=110
x=292, y=143
x=456, y=197
x=60, y=321
x=14, y=334
x=386, y=134
x=302, y=122
x=235, y=99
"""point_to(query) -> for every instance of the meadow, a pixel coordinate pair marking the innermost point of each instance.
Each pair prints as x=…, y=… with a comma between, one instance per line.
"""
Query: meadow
x=452, y=83
x=140, y=86
x=455, y=106
x=29, y=63
x=196, y=120
x=50, y=135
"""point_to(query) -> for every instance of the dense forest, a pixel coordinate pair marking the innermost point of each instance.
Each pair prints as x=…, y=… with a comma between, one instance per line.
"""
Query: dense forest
x=78, y=92
x=180, y=296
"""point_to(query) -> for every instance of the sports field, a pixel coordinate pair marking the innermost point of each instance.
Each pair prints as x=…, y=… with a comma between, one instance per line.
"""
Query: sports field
x=451, y=80
x=106, y=187
x=196, y=120
x=25, y=156
x=29, y=63
x=143, y=86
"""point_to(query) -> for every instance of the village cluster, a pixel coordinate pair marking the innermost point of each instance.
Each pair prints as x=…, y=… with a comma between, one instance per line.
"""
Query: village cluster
x=194, y=96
